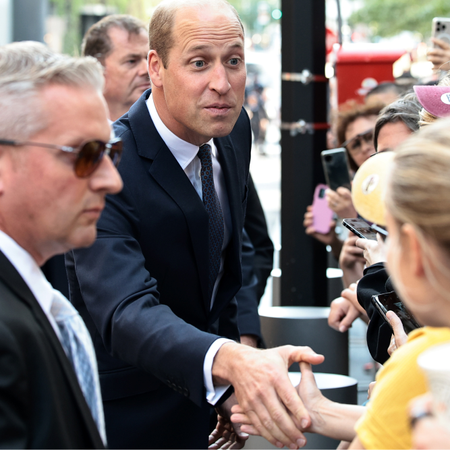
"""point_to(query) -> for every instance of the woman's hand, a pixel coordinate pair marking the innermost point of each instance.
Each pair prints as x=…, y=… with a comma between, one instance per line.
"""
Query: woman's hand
x=340, y=201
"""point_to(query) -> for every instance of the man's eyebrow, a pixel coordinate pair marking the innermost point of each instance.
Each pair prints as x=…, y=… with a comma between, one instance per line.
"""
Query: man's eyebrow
x=133, y=55
x=201, y=47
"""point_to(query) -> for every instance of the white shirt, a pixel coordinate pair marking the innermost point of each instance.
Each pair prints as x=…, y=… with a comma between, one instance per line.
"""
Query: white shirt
x=31, y=274
x=185, y=153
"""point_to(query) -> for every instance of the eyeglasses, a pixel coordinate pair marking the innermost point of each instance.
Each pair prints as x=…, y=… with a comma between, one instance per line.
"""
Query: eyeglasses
x=89, y=155
x=354, y=145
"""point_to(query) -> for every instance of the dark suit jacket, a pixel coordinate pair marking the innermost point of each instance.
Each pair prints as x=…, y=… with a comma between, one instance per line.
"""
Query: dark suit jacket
x=142, y=288
x=41, y=403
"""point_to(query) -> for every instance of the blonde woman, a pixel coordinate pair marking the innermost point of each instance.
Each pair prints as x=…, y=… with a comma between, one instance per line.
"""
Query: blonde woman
x=418, y=259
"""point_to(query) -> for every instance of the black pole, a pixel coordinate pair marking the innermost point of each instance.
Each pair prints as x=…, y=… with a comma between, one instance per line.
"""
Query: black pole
x=303, y=259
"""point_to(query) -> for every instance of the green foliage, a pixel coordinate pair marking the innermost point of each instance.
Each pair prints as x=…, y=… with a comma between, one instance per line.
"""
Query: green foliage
x=389, y=17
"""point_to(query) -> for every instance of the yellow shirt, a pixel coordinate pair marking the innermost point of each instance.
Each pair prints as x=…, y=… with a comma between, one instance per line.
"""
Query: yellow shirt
x=385, y=423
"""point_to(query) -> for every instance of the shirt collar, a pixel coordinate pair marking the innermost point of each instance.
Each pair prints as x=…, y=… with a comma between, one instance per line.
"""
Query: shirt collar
x=28, y=270
x=183, y=151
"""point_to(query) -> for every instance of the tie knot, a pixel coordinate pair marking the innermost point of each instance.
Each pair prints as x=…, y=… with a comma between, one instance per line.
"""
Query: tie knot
x=204, y=153
x=61, y=308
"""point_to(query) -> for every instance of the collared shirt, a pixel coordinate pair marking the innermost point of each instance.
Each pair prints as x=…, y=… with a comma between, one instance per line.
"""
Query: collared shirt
x=185, y=153
x=31, y=274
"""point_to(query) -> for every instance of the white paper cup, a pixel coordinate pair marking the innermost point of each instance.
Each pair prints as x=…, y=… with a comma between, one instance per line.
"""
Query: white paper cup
x=435, y=363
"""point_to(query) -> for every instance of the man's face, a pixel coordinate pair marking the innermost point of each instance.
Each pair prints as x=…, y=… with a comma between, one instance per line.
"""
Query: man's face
x=200, y=93
x=44, y=206
x=126, y=76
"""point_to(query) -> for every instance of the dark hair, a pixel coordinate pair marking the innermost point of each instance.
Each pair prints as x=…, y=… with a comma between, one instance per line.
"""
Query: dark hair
x=385, y=86
x=405, y=109
x=97, y=42
x=347, y=116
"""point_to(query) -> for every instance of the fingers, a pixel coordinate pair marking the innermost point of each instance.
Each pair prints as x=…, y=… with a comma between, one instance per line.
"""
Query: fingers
x=338, y=310
x=397, y=326
x=348, y=320
x=392, y=346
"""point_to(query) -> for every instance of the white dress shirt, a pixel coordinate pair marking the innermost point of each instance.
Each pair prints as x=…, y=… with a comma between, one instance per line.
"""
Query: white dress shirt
x=31, y=273
x=185, y=153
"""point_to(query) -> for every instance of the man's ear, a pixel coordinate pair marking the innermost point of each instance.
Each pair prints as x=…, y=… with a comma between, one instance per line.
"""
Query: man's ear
x=155, y=67
x=412, y=246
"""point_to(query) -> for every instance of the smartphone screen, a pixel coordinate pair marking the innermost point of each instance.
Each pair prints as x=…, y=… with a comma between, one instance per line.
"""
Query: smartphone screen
x=335, y=167
x=381, y=230
x=361, y=228
x=391, y=302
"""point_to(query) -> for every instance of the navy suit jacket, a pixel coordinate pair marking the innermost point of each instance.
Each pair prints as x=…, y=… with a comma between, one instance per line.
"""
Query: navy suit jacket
x=142, y=288
x=41, y=402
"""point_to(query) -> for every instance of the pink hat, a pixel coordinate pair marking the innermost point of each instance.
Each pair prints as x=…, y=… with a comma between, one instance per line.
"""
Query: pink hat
x=434, y=99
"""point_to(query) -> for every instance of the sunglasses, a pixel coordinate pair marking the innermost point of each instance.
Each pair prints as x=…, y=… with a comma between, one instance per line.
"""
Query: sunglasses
x=354, y=145
x=89, y=155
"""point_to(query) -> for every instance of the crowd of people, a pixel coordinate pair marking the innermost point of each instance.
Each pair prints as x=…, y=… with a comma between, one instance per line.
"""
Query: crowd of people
x=167, y=254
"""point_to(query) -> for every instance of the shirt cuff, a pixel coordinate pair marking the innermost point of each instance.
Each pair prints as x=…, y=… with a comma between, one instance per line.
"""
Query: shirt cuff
x=213, y=393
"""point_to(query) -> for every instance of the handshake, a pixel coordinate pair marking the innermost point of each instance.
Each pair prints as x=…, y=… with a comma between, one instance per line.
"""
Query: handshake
x=265, y=402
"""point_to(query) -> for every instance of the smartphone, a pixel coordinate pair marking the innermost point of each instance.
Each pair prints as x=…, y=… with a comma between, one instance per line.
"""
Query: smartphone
x=322, y=214
x=361, y=228
x=380, y=230
x=441, y=28
x=335, y=167
x=391, y=302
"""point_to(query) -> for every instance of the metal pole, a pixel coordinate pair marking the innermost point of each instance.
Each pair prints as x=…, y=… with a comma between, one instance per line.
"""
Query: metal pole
x=303, y=259
x=29, y=20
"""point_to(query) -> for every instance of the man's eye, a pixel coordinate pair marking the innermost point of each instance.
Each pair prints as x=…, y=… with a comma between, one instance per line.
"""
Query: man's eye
x=234, y=61
x=199, y=64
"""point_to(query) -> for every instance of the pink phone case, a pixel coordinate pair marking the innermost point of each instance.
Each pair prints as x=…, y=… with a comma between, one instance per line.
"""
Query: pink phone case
x=322, y=214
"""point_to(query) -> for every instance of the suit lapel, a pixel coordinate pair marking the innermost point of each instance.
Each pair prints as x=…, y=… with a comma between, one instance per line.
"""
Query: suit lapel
x=10, y=276
x=166, y=171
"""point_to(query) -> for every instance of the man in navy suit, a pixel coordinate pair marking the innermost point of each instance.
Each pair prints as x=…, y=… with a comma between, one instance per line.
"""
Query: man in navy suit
x=166, y=339
x=53, y=181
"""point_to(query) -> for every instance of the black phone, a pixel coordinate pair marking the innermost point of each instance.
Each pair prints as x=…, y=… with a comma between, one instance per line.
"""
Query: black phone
x=335, y=167
x=381, y=230
x=391, y=302
x=361, y=228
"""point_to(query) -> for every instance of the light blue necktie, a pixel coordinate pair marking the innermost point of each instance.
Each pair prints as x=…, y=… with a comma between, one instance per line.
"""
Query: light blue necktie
x=77, y=344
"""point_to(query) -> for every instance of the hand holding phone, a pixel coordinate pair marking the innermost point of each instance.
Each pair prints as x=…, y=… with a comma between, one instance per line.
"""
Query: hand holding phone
x=335, y=167
x=322, y=214
x=360, y=227
x=390, y=302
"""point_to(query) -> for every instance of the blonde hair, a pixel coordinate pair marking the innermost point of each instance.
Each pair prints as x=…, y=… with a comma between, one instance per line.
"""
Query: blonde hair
x=425, y=117
x=25, y=69
x=418, y=193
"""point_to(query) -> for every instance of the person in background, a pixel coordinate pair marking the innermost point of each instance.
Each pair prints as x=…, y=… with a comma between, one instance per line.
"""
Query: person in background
x=400, y=118
x=168, y=251
x=354, y=131
x=120, y=43
x=385, y=93
x=418, y=259
x=56, y=167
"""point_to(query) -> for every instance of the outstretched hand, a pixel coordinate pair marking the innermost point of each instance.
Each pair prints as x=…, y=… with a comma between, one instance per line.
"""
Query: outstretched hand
x=227, y=434
x=269, y=405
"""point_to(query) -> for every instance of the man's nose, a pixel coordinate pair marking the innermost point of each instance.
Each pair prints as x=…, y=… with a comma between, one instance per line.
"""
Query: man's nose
x=106, y=177
x=219, y=79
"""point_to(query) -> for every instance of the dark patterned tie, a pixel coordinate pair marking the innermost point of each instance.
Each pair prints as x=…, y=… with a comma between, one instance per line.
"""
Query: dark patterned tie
x=212, y=206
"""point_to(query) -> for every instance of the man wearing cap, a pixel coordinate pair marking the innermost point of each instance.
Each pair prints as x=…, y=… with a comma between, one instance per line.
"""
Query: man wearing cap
x=54, y=177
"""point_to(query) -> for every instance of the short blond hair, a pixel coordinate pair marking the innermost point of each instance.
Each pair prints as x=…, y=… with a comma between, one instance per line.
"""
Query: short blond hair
x=25, y=69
